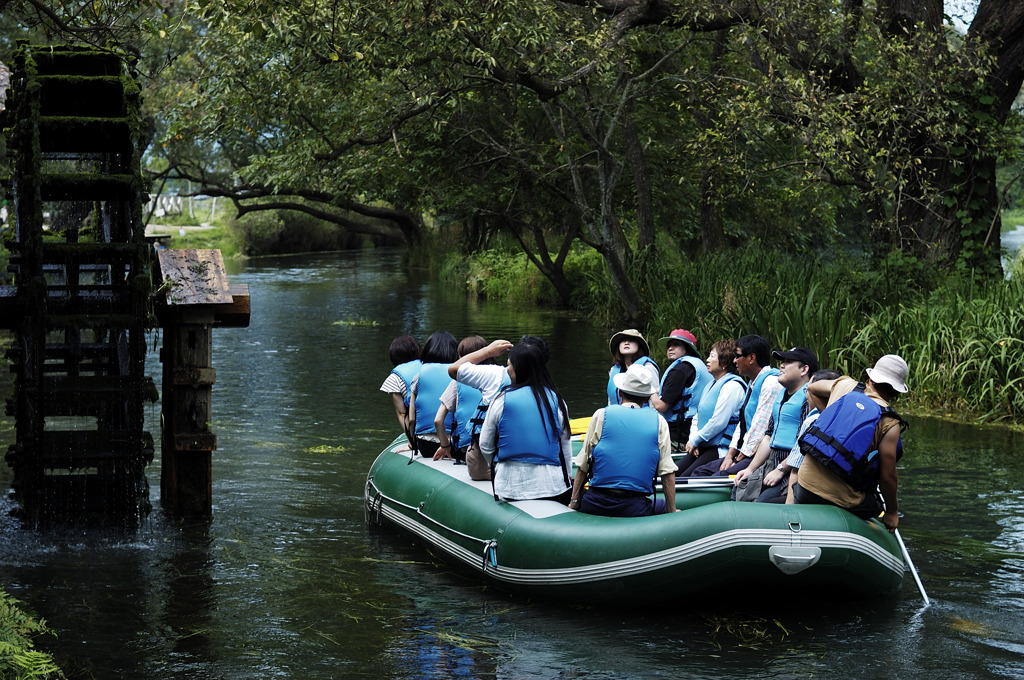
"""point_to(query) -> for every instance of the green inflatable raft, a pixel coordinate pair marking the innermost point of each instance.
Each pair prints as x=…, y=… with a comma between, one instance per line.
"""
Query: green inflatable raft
x=711, y=547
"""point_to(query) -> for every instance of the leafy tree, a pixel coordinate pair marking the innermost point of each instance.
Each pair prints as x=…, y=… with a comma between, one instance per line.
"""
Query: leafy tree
x=593, y=123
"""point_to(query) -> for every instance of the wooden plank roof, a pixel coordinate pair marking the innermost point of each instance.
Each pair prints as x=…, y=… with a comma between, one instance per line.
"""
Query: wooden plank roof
x=194, y=277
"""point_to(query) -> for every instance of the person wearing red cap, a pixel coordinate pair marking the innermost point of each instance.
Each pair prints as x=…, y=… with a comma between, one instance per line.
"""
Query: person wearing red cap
x=682, y=385
x=824, y=483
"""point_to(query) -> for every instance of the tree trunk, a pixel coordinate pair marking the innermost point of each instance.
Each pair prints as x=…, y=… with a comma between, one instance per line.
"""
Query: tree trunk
x=635, y=310
x=710, y=213
x=641, y=181
x=537, y=253
x=959, y=222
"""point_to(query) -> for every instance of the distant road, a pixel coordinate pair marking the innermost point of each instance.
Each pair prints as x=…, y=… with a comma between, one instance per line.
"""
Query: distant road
x=171, y=229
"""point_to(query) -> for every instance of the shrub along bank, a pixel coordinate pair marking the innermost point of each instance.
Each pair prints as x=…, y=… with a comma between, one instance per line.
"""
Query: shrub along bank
x=19, y=659
x=964, y=341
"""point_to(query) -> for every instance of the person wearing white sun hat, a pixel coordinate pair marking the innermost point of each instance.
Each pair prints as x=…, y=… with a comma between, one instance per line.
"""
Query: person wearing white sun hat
x=625, y=447
x=851, y=471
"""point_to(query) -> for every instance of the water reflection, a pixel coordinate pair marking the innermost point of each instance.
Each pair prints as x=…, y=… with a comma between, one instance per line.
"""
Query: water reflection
x=287, y=581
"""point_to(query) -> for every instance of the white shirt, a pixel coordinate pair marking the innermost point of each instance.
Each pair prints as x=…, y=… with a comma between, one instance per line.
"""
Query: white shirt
x=730, y=398
x=516, y=480
x=394, y=384
x=485, y=377
x=758, y=425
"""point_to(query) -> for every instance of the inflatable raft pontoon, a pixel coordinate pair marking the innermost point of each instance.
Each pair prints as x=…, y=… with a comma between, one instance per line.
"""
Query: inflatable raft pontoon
x=712, y=546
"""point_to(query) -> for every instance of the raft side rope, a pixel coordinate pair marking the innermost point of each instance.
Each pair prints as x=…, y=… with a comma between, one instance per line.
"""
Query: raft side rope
x=380, y=498
x=378, y=501
x=372, y=508
x=490, y=555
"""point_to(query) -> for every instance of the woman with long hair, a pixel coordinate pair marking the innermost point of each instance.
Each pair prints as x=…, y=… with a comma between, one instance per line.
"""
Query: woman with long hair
x=440, y=350
x=526, y=432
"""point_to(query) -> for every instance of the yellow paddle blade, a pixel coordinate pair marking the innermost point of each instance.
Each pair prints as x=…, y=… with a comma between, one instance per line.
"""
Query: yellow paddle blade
x=579, y=425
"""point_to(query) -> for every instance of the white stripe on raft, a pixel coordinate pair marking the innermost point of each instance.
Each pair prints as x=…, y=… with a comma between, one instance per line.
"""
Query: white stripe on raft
x=652, y=561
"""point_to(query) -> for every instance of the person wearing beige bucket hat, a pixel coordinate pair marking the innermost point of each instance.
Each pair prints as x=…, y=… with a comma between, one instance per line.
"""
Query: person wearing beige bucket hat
x=628, y=347
x=625, y=448
x=843, y=470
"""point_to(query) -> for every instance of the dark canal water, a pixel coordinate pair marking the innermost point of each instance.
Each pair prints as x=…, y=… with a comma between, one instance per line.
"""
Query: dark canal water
x=288, y=582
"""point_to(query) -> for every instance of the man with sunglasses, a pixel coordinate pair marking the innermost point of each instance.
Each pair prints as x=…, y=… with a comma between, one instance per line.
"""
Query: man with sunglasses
x=753, y=362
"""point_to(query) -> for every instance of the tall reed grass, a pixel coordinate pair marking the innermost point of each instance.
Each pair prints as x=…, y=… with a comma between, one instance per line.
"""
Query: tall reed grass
x=964, y=342
x=964, y=346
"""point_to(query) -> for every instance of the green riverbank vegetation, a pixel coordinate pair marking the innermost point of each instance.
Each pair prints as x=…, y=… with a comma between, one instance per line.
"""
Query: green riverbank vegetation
x=811, y=171
x=19, y=660
x=963, y=338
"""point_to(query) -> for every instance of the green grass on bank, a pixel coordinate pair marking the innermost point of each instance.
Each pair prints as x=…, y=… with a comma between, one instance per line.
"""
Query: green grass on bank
x=1012, y=219
x=206, y=238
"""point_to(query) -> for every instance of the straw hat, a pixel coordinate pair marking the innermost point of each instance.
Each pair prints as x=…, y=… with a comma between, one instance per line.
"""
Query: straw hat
x=628, y=334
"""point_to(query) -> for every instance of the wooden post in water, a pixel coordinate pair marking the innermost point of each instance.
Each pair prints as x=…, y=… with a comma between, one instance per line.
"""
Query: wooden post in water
x=196, y=297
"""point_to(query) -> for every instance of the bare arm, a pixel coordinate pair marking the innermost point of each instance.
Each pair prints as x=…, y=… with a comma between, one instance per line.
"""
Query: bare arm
x=410, y=416
x=399, y=402
x=577, y=489
x=661, y=406
x=492, y=350
x=759, y=458
x=445, y=449
x=821, y=389
x=888, y=480
x=668, y=485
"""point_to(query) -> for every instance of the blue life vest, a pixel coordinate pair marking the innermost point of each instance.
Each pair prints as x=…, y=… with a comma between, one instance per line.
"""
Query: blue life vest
x=476, y=422
x=466, y=407
x=431, y=385
x=753, y=396
x=627, y=454
x=613, y=392
x=787, y=416
x=687, y=405
x=706, y=409
x=408, y=372
x=841, y=438
x=524, y=431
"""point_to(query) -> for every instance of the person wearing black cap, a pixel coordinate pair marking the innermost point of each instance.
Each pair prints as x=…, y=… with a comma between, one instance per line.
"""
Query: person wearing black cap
x=788, y=412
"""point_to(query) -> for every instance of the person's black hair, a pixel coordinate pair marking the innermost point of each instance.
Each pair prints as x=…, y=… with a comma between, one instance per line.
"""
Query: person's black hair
x=529, y=359
x=403, y=349
x=885, y=391
x=824, y=374
x=440, y=348
x=757, y=345
x=540, y=344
